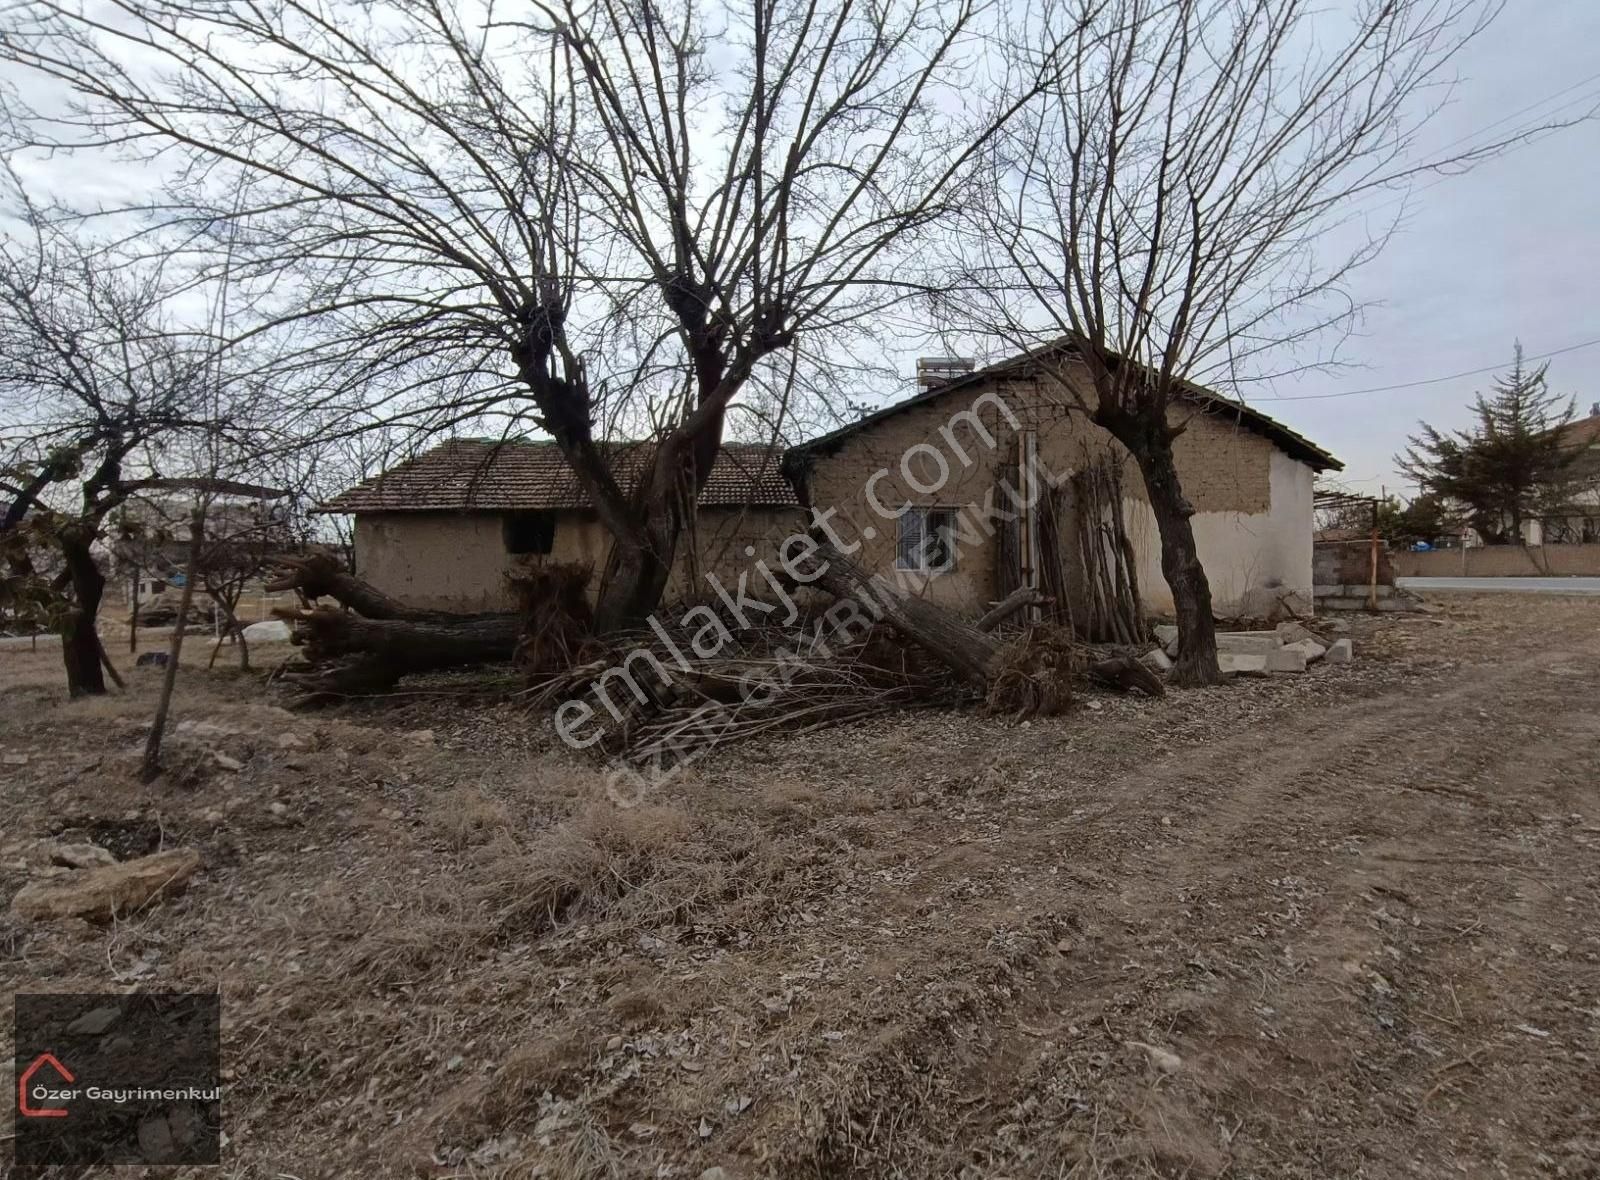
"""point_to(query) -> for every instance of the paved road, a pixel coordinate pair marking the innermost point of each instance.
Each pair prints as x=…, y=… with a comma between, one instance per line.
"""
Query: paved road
x=1515, y=585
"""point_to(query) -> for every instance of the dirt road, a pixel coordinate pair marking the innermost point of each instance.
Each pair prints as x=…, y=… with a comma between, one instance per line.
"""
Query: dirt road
x=1341, y=924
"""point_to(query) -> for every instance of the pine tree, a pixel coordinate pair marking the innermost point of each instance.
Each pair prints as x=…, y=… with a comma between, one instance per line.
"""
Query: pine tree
x=1510, y=465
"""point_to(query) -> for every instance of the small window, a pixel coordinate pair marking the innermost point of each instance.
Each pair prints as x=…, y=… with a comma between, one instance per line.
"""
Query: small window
x=529, y=532
x=927, y=540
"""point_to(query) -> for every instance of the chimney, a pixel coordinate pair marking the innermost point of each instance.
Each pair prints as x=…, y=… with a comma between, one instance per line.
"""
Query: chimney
x=1594, y=410
x=934, y=371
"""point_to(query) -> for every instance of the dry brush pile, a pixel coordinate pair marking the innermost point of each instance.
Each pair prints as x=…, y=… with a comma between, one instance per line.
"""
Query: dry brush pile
x=853, y=646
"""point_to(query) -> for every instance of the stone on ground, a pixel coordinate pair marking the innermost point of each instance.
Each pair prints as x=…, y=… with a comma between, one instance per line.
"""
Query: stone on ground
x=1286, y=659
x=1167, y=636
x=1156, y=660
x=1242, y=663
x=81, y=856
x=271, y=631
x=100, y=894
x=1248, y=643
x=1297, y=633
x=1312, y=650
x=1342, y=652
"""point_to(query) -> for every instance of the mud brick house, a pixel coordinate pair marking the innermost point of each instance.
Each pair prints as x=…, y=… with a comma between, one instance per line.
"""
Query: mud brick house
x=443, y=530
x=916, y=484
x=1248, y=477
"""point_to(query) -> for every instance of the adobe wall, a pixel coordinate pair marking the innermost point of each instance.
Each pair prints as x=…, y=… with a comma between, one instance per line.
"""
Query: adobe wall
x=458, y=561
x=1253, y=519
x=1500, y=561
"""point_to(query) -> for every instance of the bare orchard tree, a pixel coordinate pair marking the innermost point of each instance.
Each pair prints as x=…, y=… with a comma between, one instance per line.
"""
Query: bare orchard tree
x=596, y=219
x=1162, y=214
x=93, y=380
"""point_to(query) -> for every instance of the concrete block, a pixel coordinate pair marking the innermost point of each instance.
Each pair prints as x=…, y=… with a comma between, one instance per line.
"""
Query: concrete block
x=1297, y=633
x=1249, y=643
x=1156, y=660
x=1286, y=659
x=1342, y=652
x=1242, y=664
x=1310, y=648
x=1167, y=637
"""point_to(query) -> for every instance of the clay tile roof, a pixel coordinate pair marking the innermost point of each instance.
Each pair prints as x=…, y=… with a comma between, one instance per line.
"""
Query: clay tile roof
x=1296, y=446
x=485, y=475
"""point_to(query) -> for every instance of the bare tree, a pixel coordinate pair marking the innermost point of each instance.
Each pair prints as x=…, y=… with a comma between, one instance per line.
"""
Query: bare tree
x=93, y=381
x=598, y=220
x=1162, y=214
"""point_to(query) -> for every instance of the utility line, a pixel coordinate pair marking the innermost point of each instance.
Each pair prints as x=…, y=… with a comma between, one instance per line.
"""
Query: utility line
x=1543, y=356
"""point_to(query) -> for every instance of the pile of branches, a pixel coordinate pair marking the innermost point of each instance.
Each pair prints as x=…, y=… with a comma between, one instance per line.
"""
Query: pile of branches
x=767, y=680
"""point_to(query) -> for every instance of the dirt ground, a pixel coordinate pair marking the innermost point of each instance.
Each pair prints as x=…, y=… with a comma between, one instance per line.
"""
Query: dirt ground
x=1338, y=924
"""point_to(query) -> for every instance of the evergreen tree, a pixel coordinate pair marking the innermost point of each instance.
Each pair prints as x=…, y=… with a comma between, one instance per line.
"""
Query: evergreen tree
x=1510, y=465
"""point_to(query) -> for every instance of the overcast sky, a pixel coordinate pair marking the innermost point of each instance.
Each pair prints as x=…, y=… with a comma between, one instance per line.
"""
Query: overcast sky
x=1509, y=250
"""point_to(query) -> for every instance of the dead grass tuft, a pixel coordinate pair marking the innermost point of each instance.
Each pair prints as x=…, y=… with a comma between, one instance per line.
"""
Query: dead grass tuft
x=581, y=867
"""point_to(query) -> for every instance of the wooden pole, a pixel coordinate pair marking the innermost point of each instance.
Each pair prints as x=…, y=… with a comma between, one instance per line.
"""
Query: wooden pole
x=1372, y=576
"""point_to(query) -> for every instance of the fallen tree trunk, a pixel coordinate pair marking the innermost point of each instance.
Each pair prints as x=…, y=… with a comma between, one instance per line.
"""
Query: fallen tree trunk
x=958, y=645
x=320, y=576
x=349, y=655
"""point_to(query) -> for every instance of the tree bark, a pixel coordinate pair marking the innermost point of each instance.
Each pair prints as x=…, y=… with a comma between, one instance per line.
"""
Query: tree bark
x=348, y=655
x=958, y=645
x=1180, y=563
x=151, y=766
x=321, y=576
x=635, y=580
x=80, y=642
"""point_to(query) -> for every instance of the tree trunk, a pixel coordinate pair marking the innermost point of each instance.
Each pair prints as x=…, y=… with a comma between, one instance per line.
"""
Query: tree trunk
x=169, y=680
x=321, y=576
x=348, y=655
x=956, y=644
x=80, y=643
x=635, y=580
x=1180, y=564
x=133, y=615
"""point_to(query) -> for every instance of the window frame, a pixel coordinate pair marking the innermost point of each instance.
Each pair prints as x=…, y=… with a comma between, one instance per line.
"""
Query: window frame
x=511, y=522
x=925, y=513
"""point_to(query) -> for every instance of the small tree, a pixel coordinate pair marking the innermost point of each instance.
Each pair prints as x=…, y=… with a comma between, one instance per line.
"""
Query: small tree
x=1510, y=466
x=93, y=380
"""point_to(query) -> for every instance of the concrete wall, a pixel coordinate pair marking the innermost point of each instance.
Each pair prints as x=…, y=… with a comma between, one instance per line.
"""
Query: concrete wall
x=1253, y=521
x=458, y=561
x=1500, y=561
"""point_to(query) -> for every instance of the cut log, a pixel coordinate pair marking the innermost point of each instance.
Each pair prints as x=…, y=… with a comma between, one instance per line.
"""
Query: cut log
x=1126, y=673
x=348, y=655
x=413, y=646
x=320, y=576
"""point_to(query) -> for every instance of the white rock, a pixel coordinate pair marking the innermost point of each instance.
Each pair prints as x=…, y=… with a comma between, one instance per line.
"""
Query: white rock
x=1312, y=650
x=1249, y=643
x=1163, y=1059
x=1286, y=659
x=271, y=631
x=1167, y=636
x=1156, y=660
x=81, y=856
x=1342, y=652
x=1242, y=665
